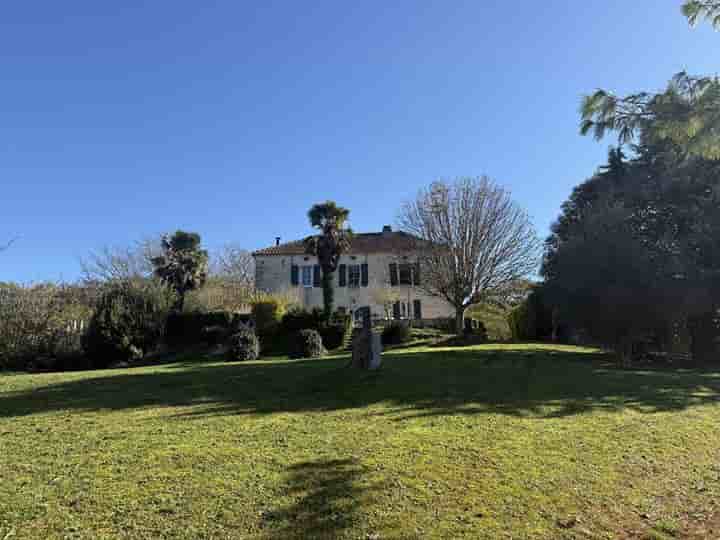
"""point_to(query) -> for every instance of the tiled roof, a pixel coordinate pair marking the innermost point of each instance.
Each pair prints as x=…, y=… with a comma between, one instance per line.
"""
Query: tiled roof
x=380, y=242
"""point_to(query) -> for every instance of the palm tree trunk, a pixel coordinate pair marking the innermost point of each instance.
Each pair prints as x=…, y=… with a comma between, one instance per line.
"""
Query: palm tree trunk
x=328, y=294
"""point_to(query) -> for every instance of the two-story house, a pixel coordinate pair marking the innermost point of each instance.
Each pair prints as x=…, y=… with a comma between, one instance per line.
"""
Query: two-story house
x=378, y=266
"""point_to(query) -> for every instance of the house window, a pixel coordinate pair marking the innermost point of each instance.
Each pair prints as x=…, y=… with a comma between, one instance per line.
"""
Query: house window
x=307, y=276
x=353, y=275
x=405, y=274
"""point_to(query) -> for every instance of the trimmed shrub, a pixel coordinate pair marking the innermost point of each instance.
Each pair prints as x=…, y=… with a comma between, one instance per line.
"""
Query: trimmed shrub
x=244, y=345
x=395, y=333
x=129, y=322
x=307, y=344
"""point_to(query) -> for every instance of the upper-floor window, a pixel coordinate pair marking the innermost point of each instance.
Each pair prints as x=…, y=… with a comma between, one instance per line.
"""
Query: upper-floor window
x=307, y=279
x=404, y=274
x=353, y=275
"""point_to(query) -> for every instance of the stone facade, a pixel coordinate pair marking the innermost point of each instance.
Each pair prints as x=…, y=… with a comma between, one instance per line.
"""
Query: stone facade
x=363, y=278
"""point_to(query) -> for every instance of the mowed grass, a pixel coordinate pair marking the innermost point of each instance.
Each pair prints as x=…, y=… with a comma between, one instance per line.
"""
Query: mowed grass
x=494, y=441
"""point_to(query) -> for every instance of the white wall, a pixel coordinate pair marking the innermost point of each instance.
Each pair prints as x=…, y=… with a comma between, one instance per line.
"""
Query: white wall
x=273, y=275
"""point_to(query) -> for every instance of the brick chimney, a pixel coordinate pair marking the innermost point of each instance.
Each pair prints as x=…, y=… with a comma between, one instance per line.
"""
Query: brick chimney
x=387, y=229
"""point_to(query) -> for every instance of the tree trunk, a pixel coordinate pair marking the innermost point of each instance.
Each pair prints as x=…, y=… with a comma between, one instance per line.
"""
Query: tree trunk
x=555, y=324
x=459, y=321
x=328, y=294
x=180, y=303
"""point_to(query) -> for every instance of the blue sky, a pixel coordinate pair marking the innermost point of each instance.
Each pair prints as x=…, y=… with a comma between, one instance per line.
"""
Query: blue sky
x=121, y=120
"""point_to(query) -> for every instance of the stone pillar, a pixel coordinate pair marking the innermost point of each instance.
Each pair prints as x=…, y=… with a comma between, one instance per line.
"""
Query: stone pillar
x=367, y=345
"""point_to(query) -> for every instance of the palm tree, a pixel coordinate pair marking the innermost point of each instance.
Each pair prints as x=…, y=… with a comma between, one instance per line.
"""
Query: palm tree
x=333, y=240
x=183, y=266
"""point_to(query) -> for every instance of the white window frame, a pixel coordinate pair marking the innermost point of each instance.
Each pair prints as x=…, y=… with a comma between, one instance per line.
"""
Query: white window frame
x=306, y=277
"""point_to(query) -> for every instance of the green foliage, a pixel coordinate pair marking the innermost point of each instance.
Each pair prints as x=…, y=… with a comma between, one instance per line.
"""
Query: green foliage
x=183, y=266
x=686, y=114
x=493, y=317
x=333, y=332
x=298, y=319
x=193, y=327
x=637, y=248
x=396, y=333
x=129, y=321
x=244, y=345
x=307, y=344
x=532, y=319
x=696, y=10
x=267, y=315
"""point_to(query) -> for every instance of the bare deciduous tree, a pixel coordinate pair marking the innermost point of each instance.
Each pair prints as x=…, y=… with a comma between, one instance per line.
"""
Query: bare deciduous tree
x=474, y=241
x=233, y=263
x=121, y=263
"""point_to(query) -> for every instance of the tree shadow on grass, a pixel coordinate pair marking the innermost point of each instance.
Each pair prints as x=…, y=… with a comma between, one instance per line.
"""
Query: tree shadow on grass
x=525, y=381
x=326, y=498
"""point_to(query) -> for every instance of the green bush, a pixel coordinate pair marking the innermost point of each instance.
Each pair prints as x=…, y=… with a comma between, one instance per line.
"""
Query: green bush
x=129, y=321
x=333, y=333
x=215, y=335
x=307, y=344
x=395, y=333
x=190, y=328
x=267, y=315
x=244, y=345
x=299, y=319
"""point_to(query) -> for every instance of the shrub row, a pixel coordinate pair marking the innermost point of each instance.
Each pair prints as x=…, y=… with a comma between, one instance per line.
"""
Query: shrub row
x=198, y=327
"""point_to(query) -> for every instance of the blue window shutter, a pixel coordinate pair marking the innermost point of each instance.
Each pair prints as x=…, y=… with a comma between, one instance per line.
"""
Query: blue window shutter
x=417, y=308
x=316, y=275
x=396, y=310
x=393, y=275
x=416, y=277
x=294, y=275
x=342, y=275
x=364, y=278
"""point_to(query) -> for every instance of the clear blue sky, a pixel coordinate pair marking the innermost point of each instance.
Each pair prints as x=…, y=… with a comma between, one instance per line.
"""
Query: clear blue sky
x=120, y=120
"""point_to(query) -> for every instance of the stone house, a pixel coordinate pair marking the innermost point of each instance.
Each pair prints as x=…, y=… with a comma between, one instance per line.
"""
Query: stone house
x=380, y=271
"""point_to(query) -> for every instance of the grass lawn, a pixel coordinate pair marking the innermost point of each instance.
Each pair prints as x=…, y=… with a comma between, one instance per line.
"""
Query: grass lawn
x=493, y=441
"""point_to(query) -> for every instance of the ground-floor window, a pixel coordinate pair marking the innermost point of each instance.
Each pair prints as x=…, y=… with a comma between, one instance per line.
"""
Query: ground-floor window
x=405, y=310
